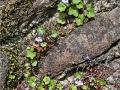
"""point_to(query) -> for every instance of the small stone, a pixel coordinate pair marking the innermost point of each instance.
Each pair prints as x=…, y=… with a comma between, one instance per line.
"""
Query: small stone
x=115, y=74
x=70, y=79
x=117, y=54
x=110, y=79
x=65, y=82
x=109, y=87
x=114, y=65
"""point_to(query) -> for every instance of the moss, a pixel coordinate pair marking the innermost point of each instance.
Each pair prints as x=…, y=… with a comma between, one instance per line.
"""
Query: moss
x=13, y=11
x=15, y=73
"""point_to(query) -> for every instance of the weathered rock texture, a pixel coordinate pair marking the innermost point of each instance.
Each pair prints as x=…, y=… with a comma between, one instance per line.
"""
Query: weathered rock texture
x=3, y=69
x=93, y=38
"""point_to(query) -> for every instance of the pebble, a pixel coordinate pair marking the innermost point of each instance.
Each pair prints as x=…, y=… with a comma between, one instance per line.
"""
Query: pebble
x=70, y=79
x=64, y=83
x=110, y=79
x=114, y=65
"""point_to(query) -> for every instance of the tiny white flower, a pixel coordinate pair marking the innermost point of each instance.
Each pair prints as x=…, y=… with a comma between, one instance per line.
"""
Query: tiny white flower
x=65, y=1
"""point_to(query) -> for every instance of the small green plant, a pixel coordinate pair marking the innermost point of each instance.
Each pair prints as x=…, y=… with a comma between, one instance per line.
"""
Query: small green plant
x=41, y=30
x=59, y=86
x=74, y=9
x=32, y=81
x=30, y=52
x=72, y=87
x=78, y=74
x=84, y=87
x=54, y=33
x=43, y=44
x=46, y=80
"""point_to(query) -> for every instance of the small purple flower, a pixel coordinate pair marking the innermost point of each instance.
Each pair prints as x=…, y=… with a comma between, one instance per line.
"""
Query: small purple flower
x=65, y=1
x=87, y=58
x=79, y=82
x=38, y=39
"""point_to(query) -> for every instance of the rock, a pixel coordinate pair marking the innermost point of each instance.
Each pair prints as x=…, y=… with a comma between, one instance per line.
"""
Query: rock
x=71, y=79
x=115, y=65
x=93, y=38
x=3, y=69
x=110, y=79
x=64, y=83
x=109, y=87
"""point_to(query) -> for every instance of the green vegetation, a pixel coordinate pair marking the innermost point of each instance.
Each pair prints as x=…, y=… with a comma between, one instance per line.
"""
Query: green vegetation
x=75, y=9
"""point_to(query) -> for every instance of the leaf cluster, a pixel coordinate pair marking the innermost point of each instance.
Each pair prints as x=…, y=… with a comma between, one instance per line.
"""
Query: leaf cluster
x=49, y=84
x=75, y=9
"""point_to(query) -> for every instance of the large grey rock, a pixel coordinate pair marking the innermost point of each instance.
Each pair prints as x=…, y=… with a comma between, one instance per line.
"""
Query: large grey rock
x=3, y=69
x=93, y=38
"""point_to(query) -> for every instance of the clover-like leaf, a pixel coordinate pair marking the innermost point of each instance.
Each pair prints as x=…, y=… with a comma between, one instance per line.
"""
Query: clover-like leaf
x=52, y=84
x=27, y=74
x=78, y=74
x=101, y=81
x=84, y=87
x=43, y=44
x=30, y=52
x=90, y=11
x=31, y=81
x=11, y=76
x=89, y=6
x=54, y=33
x=46, y=79
x=72, y=87
x=41, y=30
x=80, y=5
x=76, y=1
x=59, y=86
x=80, y=19
x=73, y=11
x=61, y=7
x=41, y=88
x=34, y=63
x=27, y=65
x=62, y=14
x=61, y=20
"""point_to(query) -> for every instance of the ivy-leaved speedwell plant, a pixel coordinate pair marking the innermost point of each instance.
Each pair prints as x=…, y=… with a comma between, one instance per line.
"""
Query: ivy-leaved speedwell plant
x=75, y=10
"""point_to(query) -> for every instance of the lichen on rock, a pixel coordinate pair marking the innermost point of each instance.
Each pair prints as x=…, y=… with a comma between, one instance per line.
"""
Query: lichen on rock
x=11, y=13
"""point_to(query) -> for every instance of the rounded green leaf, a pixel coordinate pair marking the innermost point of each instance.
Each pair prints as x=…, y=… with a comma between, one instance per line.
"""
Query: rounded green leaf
x=31, y=81
x=34, y=63
x=41, y=30
x=30, y=52
x=80, y=19
x=43, y=44
x=41, y=88
x=61, y=7
x=27, y=74
x=54, y=33
x=84, y=87
x=101, y=81
x=73, y=11
x=72, y=87
x=59, y=86
x=62, y=14
x=27, y=65
x=52, y=84
x=46, y=79
x=78, y=74
x=80, y=5
x=32, y=84
x=32, y=78
x=61, y=20
x=76, y=1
